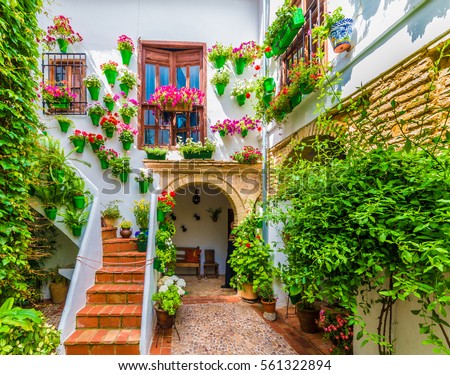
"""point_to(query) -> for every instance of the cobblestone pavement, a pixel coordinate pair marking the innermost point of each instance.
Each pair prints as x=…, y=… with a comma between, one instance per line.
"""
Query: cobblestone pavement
x=225, y=328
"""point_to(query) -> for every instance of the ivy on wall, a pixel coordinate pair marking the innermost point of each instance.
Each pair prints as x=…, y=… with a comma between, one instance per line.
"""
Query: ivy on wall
x=18, y=151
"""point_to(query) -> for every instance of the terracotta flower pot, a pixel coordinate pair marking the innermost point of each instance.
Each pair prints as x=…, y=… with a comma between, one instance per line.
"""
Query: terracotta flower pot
x=247, y=292
x=126, y=232
x=269, y=307
x=164, y=319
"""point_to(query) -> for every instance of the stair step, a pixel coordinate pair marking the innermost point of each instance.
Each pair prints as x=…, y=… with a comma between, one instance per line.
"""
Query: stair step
x=103, y=341
x=126, y=258
x=115, y=245
x=110, y=316
x=126, y=274
x=115, y=294
x=109, y=233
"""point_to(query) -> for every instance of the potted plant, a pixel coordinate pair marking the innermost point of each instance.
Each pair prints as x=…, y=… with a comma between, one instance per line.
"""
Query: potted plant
x=93, y=84
x=336, y=327
x=120, y=167
x=196, y=150
x=168, y=300
x=242, y=90
x=58, y=287
x=268, y=298
x=248, y=155
x=128, y=80
x=51, y=196
x=166, y=203
x=78, y=138
x=125, y=46
x=141, y=212
x=220, y=79
x=214, y=213
x=110, y=100
x=244, y=55
x=109, y=124
x=304, y=76
x=77, y=190
x=64, y=122
x=337, y=28
x=243, y=125
x=145, y=178
x=111, y=213
x=126, y=135
x=95, y=111
x=156, y=153
x=75, y=220
x=223, y=127
x=61, y=33
x=169, y=98
x=142, y=237
x=110, y=71
x=280, y=106
x=57, y=96
x=96, y=141
x=128, y=109
x=218, y=54
x=125, y=229
x=105, y=155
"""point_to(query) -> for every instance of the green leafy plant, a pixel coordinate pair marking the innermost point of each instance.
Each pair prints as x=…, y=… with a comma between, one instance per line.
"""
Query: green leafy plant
x=145, y=174
x=62, y=118
x=169, y=294
x=96, y=108
x=222, y=76
x=157, y=151
x=141, y=212
x=214, y=213
x=74, y=218
x=25, y=331
x=92, y=80
x=329, y=19
x=283, y=14
x=218, y=50
x=191, y=147
x=120, y=164
x=243, y=87
x=112, y=210
x=127, y=77
x=126, y=224
x=266, y=293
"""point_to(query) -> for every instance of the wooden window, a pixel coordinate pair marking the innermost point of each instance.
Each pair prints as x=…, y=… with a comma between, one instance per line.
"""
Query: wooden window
x=180, y=65
x=69, y=67
x=303, y=46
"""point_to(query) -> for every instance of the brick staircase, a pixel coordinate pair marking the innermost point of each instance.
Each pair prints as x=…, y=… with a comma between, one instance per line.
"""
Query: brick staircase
x=110, y=322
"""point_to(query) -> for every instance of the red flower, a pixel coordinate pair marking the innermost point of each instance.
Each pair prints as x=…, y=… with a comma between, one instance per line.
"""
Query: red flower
x=172, y=194
x=247, y=95
x=268, y=49
x=257, y=67
x=248, y=245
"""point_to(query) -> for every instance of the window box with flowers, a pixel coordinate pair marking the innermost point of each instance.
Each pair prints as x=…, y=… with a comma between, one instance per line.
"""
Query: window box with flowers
x=95, y=111
x=156, y=153
x=61, y=33
x=78, y=138
x=57, y=96
x=128, y=109
x=242, y=90
x=126, y=135
x=120, y=167
x=144, y=179
x=93, y=84
x=248, y=155
x=196, y=150
x=110, y=71
x=125, y=46
x=96, y=141
x=166, y=203
x=128, y=81
x=245, y=55
x=64, y=122
x=105, y=155
x=304, y=76
x=218, y=55
x=109, y=101
x=221, y=79
x=109, y=124
x=170, y=99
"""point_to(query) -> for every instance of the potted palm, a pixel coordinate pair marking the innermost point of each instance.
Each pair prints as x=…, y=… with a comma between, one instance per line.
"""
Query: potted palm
x=168, y=300
x=221, y=79
x=111, y=213
x=93, y=84
x=156, y=153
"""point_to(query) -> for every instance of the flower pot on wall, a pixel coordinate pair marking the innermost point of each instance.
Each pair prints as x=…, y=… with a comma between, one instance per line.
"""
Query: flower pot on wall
x=51, y=213
x=220, y=88
x=126, y=57
x=341, y=35
x=269, y=85
x=200, y=155
x=95, y=119
x=111, y=76
x=143, y=187
x=241, y=99
x=157, y=265
x=64, y=125
x=104, y=164
x=79, y=145
x=61, y=104
x=156, y=157
x=123, y=176
x=109, y=105
x=79, y=201
x=296, y=100
x=160, y=216
x=244, y=133
x=62, y=44
x=239, y=65
x=219, y=62
x=126, y=145
x=109, y=133
x=95, y=147
x=126, y=119
x=94, y=92
x=76, y=230
x=125, y=88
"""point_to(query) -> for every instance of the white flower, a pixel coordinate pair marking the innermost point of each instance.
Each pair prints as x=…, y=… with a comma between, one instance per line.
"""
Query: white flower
x=174, y=278
x=181, y=291
x=181, y=283
x=162, y=280
x=163, y=288
x=169, y=282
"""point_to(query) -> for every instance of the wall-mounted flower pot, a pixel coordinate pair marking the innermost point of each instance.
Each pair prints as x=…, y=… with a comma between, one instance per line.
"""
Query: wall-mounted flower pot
x=142, y=246
x=157, y=265
x=124, y=88
x=306, y=88
x=79, y=145
x=109, y=105
x=111, y=76
x=156, y=157
x=244, y=133
x=126, y=119
x=64, y=125
x=126, y=57
x=109, y=133
x=95, y=119
x=62, y=104
x=241, y=99
x=239, y=65
x=95, y=147
x=222, y=133
x=94, y=92
x=76, y=230
x=341, y=35
x=296, y=100
x=104, y=164
x=269, y=85
x=143, y=187
x=160, y=216
x=126, y=145
x=62, y=44
x=219, y=62
x=51, y=213
x=291, y=28
x=268, y=54
x=267, y=99
x=79, y=201
x=123, y=176
x=220, y=88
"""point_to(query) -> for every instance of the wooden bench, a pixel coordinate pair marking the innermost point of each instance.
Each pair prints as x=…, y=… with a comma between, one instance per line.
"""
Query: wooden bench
x=189, y=257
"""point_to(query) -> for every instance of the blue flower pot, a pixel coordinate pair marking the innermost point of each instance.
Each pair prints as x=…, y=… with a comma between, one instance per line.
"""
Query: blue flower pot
x=341, y=35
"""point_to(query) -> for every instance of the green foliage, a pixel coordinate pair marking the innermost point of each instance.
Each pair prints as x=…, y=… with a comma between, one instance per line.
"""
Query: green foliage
x=25, y=332
x=111, y=210
x=250, y=258
x=141, y=212
x=19, y=124
x=168, y=298
x=74, y=218
x=195, y=147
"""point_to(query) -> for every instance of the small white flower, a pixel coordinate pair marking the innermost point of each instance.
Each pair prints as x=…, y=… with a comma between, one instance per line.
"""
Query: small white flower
x=181, y=283
x=163, y=288
x=181, y=291
x=162, y=280
x=174, y=278
x=169, y=282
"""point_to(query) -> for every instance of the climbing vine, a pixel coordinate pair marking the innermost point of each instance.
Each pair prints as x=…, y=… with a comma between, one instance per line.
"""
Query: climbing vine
x=377, y=220
x=18, y=152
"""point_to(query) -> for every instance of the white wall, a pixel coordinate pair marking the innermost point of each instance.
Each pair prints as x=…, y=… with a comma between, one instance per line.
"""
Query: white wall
x=203, y=233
